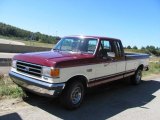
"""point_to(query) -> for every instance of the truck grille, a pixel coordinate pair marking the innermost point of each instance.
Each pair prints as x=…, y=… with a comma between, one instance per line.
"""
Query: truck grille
x=29, y=68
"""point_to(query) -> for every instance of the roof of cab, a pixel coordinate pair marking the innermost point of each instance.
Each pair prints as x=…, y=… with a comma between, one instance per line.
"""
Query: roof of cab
x=96, y=37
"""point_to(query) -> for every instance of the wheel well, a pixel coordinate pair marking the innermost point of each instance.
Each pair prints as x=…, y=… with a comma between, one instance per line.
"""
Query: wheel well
x=79, y=78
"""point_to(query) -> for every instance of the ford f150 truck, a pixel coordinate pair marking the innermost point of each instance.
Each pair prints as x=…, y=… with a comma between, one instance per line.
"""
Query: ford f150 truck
x=75, y=64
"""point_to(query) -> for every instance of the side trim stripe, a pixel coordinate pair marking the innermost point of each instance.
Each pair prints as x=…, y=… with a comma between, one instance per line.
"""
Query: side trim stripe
x=109, y=78
x=113, y=75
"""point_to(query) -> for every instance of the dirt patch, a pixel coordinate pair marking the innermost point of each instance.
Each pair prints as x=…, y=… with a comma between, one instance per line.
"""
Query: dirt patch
x=12, y=104
x=12, y=42
x=151, y=76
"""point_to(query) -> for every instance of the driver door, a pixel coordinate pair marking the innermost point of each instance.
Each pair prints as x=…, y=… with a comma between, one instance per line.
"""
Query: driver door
x=106, y=66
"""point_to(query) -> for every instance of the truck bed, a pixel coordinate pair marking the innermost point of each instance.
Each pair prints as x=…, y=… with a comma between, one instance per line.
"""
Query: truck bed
x=132, y=56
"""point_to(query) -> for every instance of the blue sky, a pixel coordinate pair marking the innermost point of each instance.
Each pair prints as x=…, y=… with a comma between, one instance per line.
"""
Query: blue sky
x=135, y=22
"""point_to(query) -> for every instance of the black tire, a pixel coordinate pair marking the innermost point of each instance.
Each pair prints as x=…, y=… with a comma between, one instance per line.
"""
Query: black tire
x=136, y=79
x=72, y=95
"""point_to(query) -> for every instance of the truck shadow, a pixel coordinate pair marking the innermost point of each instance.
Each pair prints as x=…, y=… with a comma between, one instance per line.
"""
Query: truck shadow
x=102, y=102
x=11, y=116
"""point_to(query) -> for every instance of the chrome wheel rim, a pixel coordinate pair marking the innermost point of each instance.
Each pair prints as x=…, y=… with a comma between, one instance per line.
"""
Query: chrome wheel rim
x=138, y=76
x=76, y=95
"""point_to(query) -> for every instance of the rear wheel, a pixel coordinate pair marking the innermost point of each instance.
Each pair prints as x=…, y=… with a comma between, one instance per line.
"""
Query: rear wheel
x=137, y=78
x=72, y=95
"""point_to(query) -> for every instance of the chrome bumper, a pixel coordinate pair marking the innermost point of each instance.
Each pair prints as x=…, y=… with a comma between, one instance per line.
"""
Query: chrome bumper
x=37, y=86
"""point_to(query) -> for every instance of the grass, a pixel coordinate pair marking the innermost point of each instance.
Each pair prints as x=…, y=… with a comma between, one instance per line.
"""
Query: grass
x=134, y=51
x=154, y=68
x=28, y=42
x=154, y=62
x=8, y=89
x=36, y=44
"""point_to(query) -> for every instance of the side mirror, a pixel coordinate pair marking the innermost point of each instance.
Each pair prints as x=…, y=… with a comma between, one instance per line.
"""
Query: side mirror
x=102, y=54
x=111, y=54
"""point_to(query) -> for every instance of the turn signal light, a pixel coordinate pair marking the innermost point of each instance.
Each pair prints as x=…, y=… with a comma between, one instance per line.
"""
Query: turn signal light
x=55, y=72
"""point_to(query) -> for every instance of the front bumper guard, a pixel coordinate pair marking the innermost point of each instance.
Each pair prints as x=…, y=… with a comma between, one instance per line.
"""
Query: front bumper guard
x=37, y=86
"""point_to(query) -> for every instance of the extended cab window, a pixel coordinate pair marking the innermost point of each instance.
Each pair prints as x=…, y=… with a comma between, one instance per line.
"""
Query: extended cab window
x=118, y=48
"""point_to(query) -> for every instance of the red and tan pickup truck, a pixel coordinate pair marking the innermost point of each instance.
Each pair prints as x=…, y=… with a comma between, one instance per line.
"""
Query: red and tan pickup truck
x=75, y=64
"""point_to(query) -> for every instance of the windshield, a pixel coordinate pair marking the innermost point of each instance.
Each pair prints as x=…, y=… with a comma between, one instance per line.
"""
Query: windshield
x=73, y=44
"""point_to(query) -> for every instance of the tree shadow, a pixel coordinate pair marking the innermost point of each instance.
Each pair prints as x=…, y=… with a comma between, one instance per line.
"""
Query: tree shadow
x=102, y=102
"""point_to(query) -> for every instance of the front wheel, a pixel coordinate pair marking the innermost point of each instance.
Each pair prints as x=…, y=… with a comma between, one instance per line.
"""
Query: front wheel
x=137, y=78
x=72, y=95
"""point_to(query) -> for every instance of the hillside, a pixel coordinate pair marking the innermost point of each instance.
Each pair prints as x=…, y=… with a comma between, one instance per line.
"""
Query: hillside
x=12, y=31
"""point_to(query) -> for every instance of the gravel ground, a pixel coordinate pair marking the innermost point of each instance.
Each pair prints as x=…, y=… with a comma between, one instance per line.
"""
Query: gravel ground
x=119, y=101
x=4, y=41
x=4, y=70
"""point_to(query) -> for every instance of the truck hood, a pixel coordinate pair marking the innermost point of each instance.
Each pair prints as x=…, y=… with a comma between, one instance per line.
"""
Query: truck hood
x=50, y=58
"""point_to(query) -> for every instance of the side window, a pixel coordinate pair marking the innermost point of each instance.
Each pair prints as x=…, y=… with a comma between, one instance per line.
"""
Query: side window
x=106, y=45
x=106, y=48
x=92, y=45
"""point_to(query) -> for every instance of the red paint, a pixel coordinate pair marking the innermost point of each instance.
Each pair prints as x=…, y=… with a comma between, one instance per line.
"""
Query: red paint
x=61, y=59
x=58, y=59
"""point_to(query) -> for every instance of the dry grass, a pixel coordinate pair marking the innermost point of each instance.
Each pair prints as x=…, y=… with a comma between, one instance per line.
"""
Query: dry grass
x=154, y=66
x=28, y=42
x=37, y=44
x=9, y=89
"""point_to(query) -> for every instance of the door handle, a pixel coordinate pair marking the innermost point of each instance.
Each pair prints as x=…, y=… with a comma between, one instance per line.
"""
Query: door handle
x=89, y=70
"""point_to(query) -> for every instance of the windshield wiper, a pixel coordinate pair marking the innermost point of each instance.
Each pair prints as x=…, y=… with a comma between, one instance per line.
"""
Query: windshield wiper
x=56, y=49
x=83, y=52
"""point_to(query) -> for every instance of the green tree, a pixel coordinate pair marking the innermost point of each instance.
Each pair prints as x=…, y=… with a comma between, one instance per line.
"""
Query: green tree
x=11, y=31
x=143, y=48
x=129, y=47
x=135, y=47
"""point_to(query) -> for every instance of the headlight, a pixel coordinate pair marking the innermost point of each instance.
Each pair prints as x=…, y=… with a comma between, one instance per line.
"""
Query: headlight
x=50, y=72
x=14, y=62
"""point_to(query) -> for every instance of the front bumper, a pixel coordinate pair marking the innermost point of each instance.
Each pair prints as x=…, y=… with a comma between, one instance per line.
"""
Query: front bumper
x=37, y=86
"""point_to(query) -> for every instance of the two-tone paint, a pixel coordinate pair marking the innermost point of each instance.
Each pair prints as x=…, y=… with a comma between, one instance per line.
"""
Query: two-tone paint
x=95, y=70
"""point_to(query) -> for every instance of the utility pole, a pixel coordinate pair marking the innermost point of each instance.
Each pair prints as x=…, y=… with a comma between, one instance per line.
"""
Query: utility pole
x=56, y=33
x=31, y=38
